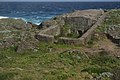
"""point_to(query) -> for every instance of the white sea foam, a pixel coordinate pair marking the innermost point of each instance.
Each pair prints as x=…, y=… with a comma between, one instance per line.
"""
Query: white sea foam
x=3, y=17
x=36, y=21
x=20, y=18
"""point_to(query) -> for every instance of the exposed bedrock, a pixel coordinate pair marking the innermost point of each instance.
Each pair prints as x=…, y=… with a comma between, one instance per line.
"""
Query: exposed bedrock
x=17, y=34
x=11, y=24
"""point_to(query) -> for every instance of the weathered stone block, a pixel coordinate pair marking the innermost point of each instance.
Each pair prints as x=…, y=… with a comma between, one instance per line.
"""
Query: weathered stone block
x=69, y=41
x=53, y=30
x=45, y=38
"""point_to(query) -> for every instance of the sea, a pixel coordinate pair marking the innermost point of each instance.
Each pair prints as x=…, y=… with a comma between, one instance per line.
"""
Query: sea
x=36, y=12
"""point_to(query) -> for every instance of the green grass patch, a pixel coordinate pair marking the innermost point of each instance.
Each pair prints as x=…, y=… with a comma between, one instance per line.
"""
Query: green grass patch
x=113, y=18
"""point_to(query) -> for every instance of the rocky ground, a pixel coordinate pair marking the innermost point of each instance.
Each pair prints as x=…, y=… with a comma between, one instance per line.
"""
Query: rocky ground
x=18, y=34
x=99, y=59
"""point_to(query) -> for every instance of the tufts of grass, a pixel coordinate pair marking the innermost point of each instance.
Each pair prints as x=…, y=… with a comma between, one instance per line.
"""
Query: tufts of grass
x=113, y=18
x=54, y=65
x=8, y=75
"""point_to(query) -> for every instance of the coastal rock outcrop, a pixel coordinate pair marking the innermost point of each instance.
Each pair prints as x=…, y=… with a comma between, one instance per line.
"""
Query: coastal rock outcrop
x=10, y=23
x=17, y=34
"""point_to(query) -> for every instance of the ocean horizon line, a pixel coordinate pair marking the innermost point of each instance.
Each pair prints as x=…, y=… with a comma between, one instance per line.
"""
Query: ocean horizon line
x=65, y=1
x=36, y=12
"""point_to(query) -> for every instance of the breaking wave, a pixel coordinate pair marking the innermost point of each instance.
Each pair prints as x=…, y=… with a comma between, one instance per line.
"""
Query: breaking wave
x=3, y=17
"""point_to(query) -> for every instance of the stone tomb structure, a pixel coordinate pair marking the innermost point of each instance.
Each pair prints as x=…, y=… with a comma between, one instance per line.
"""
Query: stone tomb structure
x=82, y=23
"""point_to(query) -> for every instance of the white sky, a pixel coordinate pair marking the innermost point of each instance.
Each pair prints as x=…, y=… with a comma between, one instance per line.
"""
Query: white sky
x=59, y=0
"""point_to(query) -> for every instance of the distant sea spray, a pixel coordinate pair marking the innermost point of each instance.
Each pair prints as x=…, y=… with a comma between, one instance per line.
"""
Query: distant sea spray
x=37, y=12
x=3, y=17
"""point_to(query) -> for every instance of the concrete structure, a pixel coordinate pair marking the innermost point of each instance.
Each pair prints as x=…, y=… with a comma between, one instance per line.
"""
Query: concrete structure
x=80, y=22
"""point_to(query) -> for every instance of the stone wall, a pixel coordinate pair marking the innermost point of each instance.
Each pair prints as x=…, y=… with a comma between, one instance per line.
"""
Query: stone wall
x=53, y=30
x=48, y=34
x=81, y=21
x=45, y=38
x=69, y=41
x=79, y=24
x=85, y=37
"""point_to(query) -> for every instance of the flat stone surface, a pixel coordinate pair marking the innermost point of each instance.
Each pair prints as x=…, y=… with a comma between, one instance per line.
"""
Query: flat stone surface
x=91, y=13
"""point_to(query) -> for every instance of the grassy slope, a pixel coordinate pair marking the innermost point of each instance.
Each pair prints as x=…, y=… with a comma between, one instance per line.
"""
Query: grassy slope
x=55, y=62
x=58, y=64
x=112, y=19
